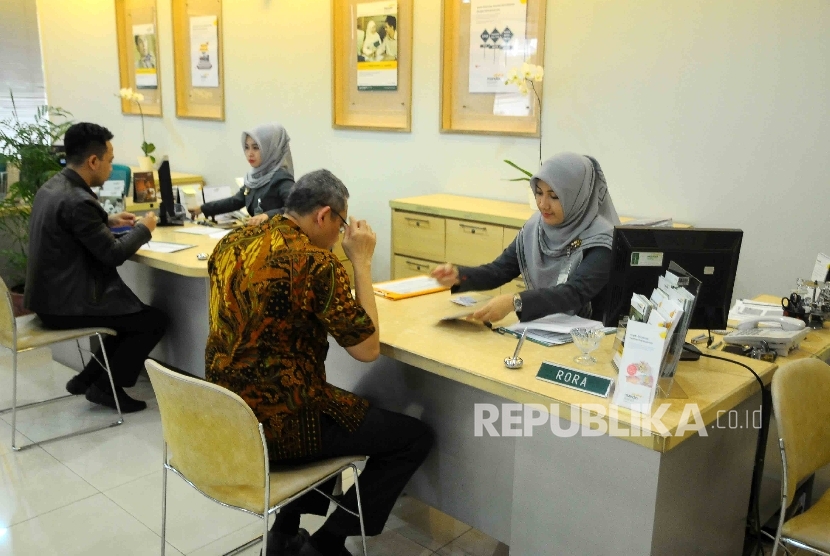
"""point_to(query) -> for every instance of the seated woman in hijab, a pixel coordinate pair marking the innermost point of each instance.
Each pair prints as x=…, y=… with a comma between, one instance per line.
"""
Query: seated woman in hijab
x=269, y=181
x=563, y=251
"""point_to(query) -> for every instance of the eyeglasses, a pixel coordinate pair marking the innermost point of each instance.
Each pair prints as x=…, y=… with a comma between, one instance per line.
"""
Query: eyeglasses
x=344, y=225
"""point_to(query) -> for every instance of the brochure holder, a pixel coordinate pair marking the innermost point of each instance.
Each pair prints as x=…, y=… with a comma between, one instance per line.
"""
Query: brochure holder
x=640, y=380
x=669, y=366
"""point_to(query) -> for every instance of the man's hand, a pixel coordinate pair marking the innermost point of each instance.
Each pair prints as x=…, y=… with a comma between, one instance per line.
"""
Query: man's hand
x=446, y=274
x=149, y=221
x=121, y=220
x=359, y=242
x=496, y=309
x=195, y=211
x=257, y=220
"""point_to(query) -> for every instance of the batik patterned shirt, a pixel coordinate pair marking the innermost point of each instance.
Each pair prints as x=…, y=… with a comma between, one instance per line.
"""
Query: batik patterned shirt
x=274, y=297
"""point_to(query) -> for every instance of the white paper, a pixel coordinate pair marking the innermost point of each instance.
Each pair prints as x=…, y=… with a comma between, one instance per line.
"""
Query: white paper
x=113, y=188
x=220, y=234
x=164, y=247
x=512, y=104
x=821, y=267
x=410, y=285
x=558, y=322
x=497, y=43
x=145, y=55
x=470, y=299
x=204, y=51
x=745, y=309
x=377, y=58
x=196, y=230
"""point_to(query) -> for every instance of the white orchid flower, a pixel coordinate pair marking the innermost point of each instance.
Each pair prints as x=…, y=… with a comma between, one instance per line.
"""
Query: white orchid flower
x=138, y=97
x=539, y=74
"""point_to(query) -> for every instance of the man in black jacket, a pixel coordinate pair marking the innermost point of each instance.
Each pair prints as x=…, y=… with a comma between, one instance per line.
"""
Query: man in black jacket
x=72, y=279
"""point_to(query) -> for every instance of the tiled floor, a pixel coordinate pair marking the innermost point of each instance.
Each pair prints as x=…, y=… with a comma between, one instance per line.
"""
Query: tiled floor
x=100, y=493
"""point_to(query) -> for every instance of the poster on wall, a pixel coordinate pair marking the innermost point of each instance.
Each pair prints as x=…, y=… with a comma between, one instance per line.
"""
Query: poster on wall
x=377, y=46
x=145, y=52
x=497, y=43
x=204, y=51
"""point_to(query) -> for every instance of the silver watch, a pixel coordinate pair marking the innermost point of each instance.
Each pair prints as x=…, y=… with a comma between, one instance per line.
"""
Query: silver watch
x=517, y=303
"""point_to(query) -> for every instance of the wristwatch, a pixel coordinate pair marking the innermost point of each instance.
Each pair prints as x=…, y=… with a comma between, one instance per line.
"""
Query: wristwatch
x=517, y=303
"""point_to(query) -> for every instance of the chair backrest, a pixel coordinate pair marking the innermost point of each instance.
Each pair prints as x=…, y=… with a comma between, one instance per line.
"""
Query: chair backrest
x=7, y=322
x=212, y=433
x=800, y=394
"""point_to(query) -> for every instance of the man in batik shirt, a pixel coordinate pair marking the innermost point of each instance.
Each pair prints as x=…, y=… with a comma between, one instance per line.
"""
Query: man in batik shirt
x=276, y=292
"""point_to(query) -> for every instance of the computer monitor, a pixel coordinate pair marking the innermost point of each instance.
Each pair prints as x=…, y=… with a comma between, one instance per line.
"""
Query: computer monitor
x=641, y=255
x=167, y=212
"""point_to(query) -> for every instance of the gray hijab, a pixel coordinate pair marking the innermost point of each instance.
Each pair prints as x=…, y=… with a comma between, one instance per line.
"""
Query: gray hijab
x=275, y=154
x=590, y=217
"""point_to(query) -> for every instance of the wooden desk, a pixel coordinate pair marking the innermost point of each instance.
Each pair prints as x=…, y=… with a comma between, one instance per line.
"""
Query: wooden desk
x=591, y=493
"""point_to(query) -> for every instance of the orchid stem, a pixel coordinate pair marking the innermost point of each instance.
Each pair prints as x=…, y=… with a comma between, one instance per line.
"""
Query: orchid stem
x=539, y=101
x=143, y=136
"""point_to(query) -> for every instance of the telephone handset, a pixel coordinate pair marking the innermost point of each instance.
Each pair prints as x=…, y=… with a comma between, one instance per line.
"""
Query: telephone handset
x=784, y=323
x=784, y=336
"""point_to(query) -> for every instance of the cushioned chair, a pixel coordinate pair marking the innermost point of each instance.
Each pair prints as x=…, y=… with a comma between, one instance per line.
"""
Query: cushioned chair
x=219, y=449
x=800, y=394
x=27, y=333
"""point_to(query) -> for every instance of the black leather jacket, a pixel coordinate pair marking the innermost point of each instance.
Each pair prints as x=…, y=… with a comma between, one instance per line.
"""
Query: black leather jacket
x=73, y=255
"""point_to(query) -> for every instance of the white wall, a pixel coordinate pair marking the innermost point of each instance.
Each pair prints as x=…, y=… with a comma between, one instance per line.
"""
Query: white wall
x=715, y=113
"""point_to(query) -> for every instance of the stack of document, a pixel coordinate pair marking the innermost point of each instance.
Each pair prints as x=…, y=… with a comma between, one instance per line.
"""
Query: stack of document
x=746, y=309
x=552, y=330
x=650, y=222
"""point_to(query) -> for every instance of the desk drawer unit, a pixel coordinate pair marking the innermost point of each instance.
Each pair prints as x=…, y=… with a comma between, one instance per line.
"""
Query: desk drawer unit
x=473, y=243
x=418, y=235
x=406, y=267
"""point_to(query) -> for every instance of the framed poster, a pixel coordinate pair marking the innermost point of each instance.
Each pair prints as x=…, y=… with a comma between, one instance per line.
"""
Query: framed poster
x=198, y=59
x=483, y=40
x=372, y=64
x=138, y=54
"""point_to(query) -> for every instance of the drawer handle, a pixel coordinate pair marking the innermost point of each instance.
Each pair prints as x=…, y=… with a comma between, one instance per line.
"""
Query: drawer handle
x=416, y=266
x=417, y=221
x=472, y=229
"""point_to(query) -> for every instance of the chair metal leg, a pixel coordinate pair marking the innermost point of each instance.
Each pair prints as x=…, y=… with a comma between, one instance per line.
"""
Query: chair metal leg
x=14, y=398
x=109, y=373
x=267, y=503
x=105, y=365
x=81, y=352
x=359, y=510
x=164, y=500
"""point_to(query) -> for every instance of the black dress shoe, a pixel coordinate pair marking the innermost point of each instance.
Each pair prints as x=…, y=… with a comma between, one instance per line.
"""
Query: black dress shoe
x=307, y=549
x=76, y=385
x=128, y=404
x=280, y=544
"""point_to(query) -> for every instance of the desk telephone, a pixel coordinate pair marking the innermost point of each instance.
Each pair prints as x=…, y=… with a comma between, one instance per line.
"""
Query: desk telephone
x=783, y=335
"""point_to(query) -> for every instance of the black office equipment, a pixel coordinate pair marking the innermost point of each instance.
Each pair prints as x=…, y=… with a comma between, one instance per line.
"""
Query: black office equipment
x=167, y=214
x=641, y=255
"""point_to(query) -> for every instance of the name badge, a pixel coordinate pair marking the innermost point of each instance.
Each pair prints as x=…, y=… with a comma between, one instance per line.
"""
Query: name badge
x=563, y=277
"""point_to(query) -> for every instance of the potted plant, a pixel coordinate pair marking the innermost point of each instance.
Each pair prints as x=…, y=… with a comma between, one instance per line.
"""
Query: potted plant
x=26, y=146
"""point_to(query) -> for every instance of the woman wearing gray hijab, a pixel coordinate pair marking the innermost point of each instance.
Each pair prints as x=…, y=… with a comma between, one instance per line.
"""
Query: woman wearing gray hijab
x=269, y=181
x=563, y=252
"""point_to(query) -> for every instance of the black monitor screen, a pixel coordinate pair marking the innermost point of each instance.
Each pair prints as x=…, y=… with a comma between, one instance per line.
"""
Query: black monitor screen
x=641, y=255
x=166, y=186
